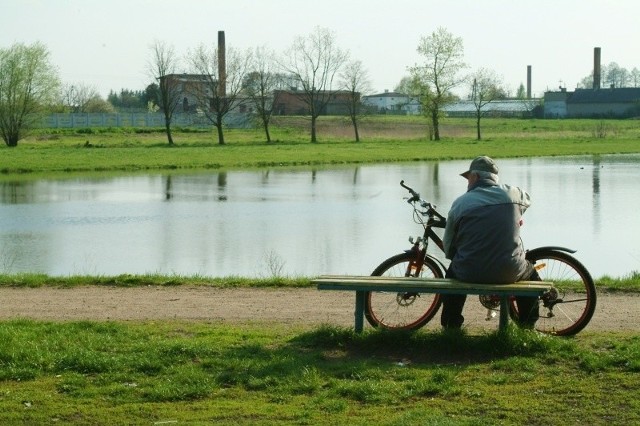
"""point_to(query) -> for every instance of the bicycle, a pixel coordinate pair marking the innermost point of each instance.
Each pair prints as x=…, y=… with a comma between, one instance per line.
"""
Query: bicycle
x=564, y=311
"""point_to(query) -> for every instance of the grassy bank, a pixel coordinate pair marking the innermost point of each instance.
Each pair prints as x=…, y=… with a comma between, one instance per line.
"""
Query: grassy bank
x=385, y=139
x=195, y=373
x=627, y=283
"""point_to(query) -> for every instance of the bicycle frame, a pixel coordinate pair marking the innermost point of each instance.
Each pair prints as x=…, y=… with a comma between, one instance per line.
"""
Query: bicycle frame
x=420, y=245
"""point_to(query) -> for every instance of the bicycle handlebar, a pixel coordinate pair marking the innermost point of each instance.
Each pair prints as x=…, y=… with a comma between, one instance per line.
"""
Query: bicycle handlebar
x=408, y=188
x=431, y=209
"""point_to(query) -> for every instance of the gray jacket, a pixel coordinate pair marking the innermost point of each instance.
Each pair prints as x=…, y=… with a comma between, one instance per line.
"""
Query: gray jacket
x=482, y=236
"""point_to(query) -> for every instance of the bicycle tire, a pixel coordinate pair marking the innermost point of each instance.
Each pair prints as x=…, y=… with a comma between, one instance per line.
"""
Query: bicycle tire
x=576, y=298
x=402, y=311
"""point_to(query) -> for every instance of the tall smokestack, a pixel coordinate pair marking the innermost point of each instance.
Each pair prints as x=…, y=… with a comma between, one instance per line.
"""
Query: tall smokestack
x=596, y=68
x=222, y=66
x=528, y=81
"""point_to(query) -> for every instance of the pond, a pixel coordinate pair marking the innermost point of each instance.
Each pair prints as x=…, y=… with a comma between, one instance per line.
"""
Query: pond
x=300, y=222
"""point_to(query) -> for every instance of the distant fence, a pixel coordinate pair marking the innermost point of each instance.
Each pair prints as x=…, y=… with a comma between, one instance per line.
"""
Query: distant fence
x=139, y=119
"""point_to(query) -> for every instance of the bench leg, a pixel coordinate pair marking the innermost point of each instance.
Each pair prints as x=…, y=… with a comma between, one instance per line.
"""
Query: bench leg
x=359, y=313
x=504, y=313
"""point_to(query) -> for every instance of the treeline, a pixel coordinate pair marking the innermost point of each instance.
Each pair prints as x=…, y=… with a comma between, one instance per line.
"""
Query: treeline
x=134, y=100
x=613, y=75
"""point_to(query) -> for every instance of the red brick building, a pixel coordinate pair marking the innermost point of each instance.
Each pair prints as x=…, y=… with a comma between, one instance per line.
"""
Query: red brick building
x=292, y=102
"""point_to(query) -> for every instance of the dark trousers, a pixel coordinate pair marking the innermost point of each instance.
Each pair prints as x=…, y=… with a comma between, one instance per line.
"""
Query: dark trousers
x=452, y=305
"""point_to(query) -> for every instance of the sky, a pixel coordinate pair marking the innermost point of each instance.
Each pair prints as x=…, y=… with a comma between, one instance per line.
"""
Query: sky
x=105, y=44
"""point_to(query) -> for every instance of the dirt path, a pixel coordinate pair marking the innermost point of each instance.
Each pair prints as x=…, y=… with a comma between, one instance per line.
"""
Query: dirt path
x=615, y=312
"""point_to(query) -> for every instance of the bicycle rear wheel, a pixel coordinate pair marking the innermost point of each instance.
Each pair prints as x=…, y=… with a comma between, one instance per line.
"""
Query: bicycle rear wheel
x=570, y=310
x=402, y=311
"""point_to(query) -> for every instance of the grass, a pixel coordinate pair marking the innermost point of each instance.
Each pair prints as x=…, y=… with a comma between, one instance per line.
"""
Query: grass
x=142, y=280
x=385, y=139
x=628, y=283
x=198, y=373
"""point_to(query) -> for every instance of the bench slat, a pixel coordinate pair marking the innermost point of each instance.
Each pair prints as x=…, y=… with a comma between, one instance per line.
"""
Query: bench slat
x=428, y=285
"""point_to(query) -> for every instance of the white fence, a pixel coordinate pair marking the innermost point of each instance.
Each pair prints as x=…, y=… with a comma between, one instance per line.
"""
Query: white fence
x=139, y=119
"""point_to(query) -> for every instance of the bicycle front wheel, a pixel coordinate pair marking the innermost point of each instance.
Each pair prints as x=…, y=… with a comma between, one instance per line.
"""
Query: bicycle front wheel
x=401, y=310
x=568, y=311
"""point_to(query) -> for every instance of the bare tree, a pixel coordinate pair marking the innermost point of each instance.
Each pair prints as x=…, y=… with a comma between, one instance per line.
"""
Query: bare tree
x=218, y=93
x=76, y=97
x=485, y=88
x=443, y=60
x=616, y=75
x=613, y=75
x=163, y=66
x=29, y=83
x=634, y=76
x=314, y=61
x=355, y=82
x=260, y=85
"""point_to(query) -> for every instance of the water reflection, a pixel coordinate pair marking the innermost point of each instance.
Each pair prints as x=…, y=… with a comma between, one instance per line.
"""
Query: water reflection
x=596, y=195
x=307, y=221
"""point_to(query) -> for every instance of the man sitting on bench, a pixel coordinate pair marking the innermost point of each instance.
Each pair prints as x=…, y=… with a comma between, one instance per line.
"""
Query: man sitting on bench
x=482, y=239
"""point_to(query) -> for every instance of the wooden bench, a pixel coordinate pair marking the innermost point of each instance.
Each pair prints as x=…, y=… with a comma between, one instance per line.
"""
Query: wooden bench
x=363, y=284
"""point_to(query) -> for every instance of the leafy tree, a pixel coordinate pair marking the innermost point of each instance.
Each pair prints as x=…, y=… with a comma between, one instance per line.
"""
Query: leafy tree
x=217, y=94
x=260, y=84
x=314, y=61
x=443, y=60
x=29, y=84
x=129, y=99
x=151, y=94
x=355, y=81
x=485, y=88
x=405, y=86
x=409, y=87
x=113, y=99
x=522, y=92
x=419, y=90
x=96, y=104
x=163, y=66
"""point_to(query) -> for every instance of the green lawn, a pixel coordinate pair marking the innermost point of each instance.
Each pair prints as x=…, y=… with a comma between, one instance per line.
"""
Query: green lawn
x=385, y=139
x=211, y=373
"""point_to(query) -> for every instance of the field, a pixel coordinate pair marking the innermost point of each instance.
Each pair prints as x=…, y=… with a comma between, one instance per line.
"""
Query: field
x=386, y=139
x=272, y=365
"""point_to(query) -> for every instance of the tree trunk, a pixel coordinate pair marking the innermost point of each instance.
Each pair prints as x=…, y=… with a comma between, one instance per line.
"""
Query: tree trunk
x=436, y=126
x=220, y=134
x=478, y=127
x=168, y=128
x=12, y=139
x=313, y=129
x=266, y=131
x=355, y=128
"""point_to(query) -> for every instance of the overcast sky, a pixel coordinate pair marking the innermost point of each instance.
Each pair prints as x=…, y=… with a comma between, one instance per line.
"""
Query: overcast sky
x=106, y=43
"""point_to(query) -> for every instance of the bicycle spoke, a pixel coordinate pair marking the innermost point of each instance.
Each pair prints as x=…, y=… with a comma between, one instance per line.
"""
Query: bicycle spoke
x=571, y=308
x=395, y=310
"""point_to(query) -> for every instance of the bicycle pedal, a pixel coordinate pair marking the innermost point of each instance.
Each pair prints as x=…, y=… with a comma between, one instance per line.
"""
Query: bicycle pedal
x=491, y=314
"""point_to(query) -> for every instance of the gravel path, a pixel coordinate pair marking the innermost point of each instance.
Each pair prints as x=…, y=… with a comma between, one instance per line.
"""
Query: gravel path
x=615, y=312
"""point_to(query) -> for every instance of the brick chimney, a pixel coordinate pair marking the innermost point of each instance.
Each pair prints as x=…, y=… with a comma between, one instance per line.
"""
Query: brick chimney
x=596, y=68
x=222, y=66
